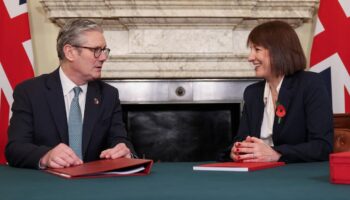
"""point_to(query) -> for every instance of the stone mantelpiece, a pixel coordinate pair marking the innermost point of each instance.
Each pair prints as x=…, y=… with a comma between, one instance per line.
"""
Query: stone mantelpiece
x=180, y=8
x=179, y=38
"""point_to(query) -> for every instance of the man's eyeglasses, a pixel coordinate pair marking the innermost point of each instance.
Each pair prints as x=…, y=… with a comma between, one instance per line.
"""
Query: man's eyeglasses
x=97, y=51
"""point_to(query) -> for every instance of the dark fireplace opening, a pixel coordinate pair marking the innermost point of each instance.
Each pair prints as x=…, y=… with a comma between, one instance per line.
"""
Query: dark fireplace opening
x=181, y=132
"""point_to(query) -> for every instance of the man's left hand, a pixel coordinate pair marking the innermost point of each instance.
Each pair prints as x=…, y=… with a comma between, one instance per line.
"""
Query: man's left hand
x=118, y=151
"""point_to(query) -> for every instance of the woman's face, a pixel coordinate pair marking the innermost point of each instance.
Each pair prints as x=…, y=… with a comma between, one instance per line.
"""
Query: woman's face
x=259, y=57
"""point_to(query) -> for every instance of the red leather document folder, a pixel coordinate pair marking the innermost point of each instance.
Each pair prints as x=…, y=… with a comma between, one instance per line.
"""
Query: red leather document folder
x=106, y=168
x=340, y=167
x=237, y=166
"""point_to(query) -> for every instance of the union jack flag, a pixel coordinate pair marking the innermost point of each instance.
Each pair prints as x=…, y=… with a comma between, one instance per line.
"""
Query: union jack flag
x=330, y=54
x=16, y=58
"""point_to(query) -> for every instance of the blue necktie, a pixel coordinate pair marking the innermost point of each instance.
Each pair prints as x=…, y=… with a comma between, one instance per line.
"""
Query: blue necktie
x=75, y=124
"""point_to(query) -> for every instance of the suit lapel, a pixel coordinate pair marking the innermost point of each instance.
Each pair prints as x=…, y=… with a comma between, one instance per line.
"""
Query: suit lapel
x=284, y=98
x=92, y=108
x=54, y=95
x=259, y=111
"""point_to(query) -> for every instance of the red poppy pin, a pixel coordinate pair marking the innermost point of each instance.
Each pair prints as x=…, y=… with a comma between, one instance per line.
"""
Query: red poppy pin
x=280, y=112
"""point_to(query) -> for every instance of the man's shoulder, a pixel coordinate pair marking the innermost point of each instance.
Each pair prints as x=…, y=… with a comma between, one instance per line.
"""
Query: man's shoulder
x=104, y=87
x=35, y=82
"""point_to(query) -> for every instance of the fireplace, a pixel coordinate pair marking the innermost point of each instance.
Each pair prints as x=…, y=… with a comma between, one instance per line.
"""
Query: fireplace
x=181, y=132
x=181, y=120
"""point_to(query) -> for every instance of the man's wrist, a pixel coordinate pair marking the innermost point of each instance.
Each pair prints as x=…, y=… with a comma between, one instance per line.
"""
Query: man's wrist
x=43, y=161
x=41, y=165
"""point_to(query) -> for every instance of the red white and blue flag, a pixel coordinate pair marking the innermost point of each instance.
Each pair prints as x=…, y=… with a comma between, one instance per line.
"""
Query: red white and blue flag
x=330, y=53
x=16, y=58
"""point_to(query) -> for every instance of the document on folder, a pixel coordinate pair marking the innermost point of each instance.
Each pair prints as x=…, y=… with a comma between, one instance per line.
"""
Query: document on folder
x=237, y=166
x=106, y=168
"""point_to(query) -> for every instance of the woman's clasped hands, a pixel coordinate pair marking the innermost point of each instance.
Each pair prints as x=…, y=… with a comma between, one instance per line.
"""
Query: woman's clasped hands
x=253, y=149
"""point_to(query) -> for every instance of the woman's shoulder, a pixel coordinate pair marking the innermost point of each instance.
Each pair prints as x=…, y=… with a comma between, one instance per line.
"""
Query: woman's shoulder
x=256, y=86
x=310, y=84
x=308, y=75
x=309, y=78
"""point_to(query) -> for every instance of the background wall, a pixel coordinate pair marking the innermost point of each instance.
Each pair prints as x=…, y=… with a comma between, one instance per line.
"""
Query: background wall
x=44, y=34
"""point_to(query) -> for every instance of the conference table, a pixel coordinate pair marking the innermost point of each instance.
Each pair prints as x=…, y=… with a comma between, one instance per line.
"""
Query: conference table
x=178, y=181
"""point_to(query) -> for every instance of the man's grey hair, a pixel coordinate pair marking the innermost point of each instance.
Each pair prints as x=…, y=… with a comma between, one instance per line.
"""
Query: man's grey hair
x=71, y=33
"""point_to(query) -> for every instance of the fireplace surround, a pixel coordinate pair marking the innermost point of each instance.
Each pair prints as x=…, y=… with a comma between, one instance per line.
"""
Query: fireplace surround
x=180, y=65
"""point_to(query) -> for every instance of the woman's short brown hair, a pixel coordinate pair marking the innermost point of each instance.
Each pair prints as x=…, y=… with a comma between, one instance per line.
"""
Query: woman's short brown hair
x=282, y=42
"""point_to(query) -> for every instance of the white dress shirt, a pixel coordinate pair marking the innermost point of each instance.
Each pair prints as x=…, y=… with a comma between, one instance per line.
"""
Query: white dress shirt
x=269, y=114
x=68, y=93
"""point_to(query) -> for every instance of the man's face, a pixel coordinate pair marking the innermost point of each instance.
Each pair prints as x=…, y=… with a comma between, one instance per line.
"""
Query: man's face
x=85, y=66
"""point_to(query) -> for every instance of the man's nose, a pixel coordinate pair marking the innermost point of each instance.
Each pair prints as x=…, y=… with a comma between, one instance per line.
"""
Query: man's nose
x=103, y=57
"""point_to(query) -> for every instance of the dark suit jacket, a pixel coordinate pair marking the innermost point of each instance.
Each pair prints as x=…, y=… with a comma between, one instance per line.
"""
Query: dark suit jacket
x=39, y=120
x=305, y=133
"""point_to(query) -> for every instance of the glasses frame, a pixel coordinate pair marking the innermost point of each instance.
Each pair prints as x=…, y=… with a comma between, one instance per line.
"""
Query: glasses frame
x=96, y=50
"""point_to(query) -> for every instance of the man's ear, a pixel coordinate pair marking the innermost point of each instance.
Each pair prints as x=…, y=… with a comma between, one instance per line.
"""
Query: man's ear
x=69, y=52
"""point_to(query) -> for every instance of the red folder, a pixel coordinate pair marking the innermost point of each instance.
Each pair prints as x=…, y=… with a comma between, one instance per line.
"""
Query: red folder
x=237, y=166
x=340, y=167
x=106, y=168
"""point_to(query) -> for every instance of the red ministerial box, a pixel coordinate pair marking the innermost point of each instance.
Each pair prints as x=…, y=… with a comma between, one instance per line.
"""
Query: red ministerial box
x=340, y=167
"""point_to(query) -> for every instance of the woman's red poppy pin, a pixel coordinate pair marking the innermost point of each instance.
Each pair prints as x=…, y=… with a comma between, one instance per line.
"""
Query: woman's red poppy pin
x=280, y=112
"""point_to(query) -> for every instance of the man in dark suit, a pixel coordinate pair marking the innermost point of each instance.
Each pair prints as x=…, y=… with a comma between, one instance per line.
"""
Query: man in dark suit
x=69, y=116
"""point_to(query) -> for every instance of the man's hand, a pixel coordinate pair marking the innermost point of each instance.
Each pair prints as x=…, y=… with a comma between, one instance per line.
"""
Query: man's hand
x=253, y=149
x=120, y=150
x=59, y=157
